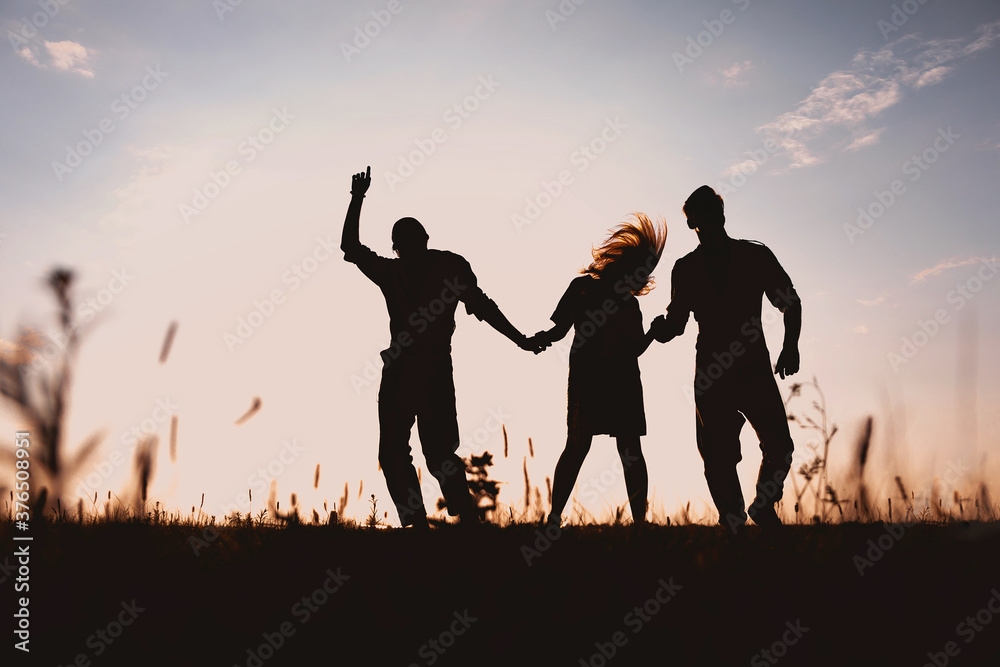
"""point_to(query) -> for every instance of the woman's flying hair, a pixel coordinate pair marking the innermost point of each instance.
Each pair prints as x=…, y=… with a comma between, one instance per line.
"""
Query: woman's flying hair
x=630, y=253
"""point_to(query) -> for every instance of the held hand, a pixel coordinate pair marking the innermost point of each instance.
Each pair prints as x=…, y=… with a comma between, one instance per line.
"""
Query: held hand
x=660, y=329
x=535, y=344
x=361, y=182
x=788, y=363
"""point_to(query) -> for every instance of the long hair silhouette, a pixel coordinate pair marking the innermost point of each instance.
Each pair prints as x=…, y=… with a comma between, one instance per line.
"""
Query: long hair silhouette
x=631, y=246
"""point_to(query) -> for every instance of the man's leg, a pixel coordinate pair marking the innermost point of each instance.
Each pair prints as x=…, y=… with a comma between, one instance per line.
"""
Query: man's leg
x=437, y=424
x=395, y=418
x=765, y=411
x=718, y=431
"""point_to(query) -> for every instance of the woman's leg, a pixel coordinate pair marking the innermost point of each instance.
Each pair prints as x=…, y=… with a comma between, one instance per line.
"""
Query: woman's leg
x=567, y=470
x=636, y=476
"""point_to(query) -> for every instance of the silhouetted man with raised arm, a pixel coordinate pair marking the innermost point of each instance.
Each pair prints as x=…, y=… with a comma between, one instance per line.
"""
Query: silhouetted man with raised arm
x=722, y=282
x=422, y=288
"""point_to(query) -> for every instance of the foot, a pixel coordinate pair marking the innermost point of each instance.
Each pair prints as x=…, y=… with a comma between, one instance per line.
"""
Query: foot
x=765, y=516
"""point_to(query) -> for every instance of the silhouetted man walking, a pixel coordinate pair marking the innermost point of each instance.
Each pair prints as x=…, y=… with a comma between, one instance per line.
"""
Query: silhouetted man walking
x=422, y=288
x=722, y=282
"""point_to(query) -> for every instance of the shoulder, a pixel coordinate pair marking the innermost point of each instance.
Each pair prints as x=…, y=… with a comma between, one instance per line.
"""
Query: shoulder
x=684, y=263
x=579, y=287
x=752, y=248
x=449, y=259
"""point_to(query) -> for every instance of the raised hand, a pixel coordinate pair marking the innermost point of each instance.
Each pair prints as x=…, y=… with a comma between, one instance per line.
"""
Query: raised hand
x=788, y=362
x=361, y=182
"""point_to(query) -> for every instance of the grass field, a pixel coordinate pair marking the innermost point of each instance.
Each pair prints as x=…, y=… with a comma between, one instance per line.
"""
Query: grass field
x=842, y=594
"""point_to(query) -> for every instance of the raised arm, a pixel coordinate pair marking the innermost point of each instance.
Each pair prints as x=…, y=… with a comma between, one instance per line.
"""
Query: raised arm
x=350, y=240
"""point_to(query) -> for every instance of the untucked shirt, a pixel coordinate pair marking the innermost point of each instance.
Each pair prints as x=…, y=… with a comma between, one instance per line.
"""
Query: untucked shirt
x=421, y=294
x=729, y=319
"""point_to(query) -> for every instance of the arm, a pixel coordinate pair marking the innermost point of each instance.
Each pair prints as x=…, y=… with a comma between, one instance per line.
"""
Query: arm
x=785, y=299
x=350, y=240
x=788, y=360
x=667, y=327
x=498, y=321
x=557, y=332
x=646, y=340
x=486, y=310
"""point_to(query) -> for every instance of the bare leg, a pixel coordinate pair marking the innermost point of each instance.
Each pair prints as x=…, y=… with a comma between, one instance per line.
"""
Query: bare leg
x=567, y=470
x=636, y=476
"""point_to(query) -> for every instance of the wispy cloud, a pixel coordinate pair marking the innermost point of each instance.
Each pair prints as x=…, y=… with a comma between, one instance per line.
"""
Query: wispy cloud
x=872, y=302
x=66, y=56
x=845, y=102
x=949, y=264
x=734, y=75
x=860, y=329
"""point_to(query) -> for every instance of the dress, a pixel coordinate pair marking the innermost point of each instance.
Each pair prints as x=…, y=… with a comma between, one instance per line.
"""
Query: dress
x=605, y=389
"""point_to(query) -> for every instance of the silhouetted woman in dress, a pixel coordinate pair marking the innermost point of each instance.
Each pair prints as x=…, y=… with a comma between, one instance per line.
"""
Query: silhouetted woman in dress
x=605, y=391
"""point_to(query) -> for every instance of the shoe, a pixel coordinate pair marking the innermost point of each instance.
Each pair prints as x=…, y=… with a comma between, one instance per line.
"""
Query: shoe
x=765, y=517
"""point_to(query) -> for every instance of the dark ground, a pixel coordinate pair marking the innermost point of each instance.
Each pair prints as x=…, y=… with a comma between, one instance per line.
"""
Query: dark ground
x=398, y=591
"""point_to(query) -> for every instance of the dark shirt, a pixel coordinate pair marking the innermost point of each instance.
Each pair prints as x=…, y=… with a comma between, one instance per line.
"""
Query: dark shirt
x=421, y=294
x=724, y=294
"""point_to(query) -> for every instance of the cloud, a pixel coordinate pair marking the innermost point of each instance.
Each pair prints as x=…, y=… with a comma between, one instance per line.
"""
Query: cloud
x=869, y=139
x=845, y=102
x=732, y=76
x=949, y=264
x=872, y=302
x=70, y=57
x=65, y=56
x=860, y=329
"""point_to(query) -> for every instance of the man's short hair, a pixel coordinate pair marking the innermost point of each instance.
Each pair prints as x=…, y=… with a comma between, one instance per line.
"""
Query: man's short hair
x=705, y=204
x=408, y=233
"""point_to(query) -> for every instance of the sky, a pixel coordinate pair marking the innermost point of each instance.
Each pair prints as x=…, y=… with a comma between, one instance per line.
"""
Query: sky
x=191, y=163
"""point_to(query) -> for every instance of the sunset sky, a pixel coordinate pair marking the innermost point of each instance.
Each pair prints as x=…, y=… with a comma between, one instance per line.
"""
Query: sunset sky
x=192, y=160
